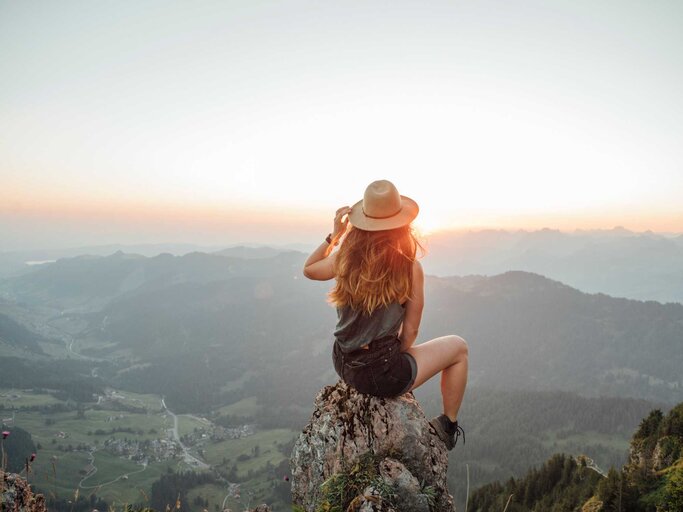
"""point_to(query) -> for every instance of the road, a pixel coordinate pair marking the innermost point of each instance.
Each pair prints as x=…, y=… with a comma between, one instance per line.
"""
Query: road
x=189, y=458
x=233, y=490
x=92, y=463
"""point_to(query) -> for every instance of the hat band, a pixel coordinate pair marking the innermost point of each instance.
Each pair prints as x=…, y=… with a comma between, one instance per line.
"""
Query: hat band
x=384, y=217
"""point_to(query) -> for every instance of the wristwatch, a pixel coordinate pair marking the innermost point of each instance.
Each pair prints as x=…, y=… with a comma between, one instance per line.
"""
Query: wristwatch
x=328, y=239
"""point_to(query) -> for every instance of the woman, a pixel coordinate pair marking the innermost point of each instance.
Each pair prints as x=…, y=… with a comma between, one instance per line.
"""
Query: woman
x=379, y=296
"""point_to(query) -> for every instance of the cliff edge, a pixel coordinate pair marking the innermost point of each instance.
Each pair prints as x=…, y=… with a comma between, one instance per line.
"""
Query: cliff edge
x=365, y=453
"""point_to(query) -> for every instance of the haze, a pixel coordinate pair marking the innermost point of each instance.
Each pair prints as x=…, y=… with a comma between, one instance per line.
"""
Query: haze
x=252, y=121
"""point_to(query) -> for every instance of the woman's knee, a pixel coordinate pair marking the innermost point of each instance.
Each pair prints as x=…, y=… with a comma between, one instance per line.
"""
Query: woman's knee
x=460, y=347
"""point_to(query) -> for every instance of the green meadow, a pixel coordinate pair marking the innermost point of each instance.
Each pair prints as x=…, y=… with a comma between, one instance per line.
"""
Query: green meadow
x=187, y=424
x=247, y=407
x=25, y=399
x=61, y=469
x=218, y=498
x=231, y=449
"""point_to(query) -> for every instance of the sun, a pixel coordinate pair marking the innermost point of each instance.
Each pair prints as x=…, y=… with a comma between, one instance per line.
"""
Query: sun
x=428, y=222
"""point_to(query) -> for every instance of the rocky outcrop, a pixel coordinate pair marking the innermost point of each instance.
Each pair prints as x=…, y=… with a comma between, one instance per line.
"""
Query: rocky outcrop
x=365, y=453
x=592, y=505
x=16, y=495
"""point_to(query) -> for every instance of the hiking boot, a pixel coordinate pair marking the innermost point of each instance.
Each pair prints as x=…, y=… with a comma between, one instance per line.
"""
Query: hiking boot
x=448, y=431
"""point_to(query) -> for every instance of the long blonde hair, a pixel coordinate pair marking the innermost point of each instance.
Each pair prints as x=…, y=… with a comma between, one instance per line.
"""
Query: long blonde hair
x=374, y=268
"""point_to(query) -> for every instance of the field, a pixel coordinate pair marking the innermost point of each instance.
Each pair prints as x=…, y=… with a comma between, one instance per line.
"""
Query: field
x=246, y=407
x=231, y=449
x=187, y=423
x=219, y=499
x=14, y=398
x=66, y=428
x=72, y=455
x=151, y=402
x=61, y=467
x=251, y=472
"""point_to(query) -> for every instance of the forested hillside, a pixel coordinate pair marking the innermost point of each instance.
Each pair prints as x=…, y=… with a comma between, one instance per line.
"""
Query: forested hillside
x=651, y=480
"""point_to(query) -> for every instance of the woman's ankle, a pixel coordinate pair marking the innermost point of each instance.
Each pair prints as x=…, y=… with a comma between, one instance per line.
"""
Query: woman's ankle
x=450, y=426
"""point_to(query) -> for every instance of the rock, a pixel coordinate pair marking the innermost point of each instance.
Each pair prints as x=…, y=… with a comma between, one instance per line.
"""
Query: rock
x=383, y=450
x=16, y=495
x=262, y=508
x=406, y=486
x=592, y=505
x=666, y=452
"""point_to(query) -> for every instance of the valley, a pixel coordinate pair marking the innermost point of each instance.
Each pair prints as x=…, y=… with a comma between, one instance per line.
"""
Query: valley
x=147, y=378
x=119, y=444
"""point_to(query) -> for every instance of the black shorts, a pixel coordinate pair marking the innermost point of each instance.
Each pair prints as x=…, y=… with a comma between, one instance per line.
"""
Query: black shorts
x=381, y=370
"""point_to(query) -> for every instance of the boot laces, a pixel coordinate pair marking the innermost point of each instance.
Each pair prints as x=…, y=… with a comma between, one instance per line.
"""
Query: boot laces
x=459, y=432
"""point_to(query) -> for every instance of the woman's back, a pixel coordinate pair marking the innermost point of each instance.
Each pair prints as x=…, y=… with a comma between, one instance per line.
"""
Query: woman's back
x=356, y=328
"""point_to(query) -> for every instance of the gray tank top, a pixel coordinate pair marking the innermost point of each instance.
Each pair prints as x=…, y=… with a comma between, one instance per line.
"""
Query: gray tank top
x=355, y=328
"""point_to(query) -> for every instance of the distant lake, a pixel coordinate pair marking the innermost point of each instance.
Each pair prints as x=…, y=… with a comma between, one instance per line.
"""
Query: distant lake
x=39, y=262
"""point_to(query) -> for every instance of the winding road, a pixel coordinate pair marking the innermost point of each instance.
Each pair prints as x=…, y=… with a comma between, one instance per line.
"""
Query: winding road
x=92, y=463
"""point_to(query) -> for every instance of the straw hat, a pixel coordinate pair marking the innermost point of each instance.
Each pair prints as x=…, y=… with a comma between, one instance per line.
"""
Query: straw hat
x=382, y=207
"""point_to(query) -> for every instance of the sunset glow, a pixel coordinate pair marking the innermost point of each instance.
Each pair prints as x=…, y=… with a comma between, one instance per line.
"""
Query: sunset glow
x=253, y=122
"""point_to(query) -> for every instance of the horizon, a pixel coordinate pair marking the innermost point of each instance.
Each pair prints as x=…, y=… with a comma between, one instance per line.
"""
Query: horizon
x=30, y=232
x=303, y=245
x=246, y=122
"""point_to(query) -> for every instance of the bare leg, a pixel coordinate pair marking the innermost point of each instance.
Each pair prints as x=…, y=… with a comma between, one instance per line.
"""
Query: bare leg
x=448, y=355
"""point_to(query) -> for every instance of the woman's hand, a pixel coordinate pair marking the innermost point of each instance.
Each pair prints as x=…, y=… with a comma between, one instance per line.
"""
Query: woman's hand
x=341, y=222
x=319, y=266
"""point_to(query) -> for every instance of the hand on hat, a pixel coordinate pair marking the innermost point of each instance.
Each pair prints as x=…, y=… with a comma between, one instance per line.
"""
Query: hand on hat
x=340, y=225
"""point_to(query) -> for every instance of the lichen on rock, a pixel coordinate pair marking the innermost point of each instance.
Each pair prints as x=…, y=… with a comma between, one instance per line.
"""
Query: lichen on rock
x=16, y=495
x=261, y=508
x=369, y=453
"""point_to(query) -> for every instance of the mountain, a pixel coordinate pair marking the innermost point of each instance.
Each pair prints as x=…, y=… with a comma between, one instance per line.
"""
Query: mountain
x=651, y=480
x=525, y=331
x=242, y=251
x=15, y=335
x=13, y=263
x=209, y=331
x=87, y=283
x=618, y=262
x=206, y=331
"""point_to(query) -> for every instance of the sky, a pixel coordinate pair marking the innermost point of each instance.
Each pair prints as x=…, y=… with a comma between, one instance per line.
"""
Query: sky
x=222, y=122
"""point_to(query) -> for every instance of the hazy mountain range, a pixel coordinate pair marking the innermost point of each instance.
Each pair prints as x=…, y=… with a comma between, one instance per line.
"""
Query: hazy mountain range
x=552, y=367
x=525, y=331
x=618, y=262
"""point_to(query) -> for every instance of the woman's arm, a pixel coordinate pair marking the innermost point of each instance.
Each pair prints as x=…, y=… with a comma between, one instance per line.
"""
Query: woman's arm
x=413, y=316
x=319, y=265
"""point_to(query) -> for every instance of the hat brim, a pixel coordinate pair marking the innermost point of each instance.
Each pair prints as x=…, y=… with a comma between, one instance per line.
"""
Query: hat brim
x=406, y=215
